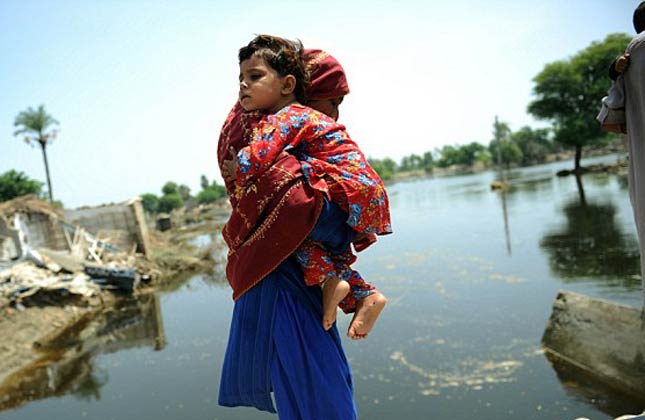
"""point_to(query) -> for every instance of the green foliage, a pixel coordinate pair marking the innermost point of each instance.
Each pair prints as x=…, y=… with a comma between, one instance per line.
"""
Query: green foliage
x=411, y=162
x=34, y=124
x=15, y=184
x=568, y=92
x=384, y=167
x=510, y=152
x=170, y=188
x=184, y=191
x=170, y=202
x=389, y=164
x=428, y=161
x=203, y=182
x=175, y=196
x=535, y=145
x=460, y=155
x=211, y=194
x=502, y=150
x=150, y=202
x=484, y=158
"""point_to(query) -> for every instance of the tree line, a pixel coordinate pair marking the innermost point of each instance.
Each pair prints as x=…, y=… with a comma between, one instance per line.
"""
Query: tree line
x=526, y=146
x=174, y=196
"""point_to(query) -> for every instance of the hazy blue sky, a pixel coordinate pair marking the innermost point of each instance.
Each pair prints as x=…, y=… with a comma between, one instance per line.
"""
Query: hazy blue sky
x=141, y=88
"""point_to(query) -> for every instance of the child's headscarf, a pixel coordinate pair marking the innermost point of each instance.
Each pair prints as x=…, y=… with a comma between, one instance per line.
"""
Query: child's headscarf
x=288, y=214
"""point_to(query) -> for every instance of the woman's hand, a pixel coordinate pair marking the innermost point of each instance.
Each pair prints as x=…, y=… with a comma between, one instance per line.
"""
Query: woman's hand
x=229, y=167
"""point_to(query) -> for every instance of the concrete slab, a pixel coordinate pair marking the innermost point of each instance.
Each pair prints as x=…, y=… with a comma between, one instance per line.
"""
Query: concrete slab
x=602, y=338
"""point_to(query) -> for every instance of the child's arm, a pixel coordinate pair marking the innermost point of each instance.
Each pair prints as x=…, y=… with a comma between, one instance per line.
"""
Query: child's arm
x=273, y=135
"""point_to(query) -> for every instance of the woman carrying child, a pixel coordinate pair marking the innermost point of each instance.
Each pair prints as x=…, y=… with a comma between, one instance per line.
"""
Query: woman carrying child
x=273, y=343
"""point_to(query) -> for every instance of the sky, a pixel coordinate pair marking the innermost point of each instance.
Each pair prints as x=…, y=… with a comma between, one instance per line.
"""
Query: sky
x=141, y=88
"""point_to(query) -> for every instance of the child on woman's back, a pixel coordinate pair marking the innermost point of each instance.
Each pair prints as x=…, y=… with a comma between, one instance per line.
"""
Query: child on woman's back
x=273, y=80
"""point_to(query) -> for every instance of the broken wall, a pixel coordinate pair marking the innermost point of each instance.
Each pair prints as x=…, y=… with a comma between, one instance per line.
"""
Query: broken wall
x=122, y=225
x=10, y=247
x=43, y=232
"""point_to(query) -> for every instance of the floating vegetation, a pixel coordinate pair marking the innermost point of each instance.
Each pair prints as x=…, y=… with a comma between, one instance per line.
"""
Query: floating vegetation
x=470, y=373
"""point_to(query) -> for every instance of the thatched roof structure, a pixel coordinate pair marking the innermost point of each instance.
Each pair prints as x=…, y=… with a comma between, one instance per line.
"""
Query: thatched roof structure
x=29, y=204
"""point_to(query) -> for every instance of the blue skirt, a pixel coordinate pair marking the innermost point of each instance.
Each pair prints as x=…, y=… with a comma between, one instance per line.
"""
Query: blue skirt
x=277, y=343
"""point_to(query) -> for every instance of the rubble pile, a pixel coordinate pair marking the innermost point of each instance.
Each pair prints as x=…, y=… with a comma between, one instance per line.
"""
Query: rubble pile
x=41, y=252
x=26, y=279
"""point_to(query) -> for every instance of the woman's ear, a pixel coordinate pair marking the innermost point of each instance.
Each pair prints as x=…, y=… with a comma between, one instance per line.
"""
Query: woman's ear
x=288, y=84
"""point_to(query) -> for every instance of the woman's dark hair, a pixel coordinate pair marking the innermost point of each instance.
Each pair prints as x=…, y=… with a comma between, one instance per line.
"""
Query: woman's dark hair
x=282, y=55
x=639, y=18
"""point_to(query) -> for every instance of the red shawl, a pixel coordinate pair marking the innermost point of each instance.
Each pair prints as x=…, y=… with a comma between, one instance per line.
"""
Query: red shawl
x=270, y=218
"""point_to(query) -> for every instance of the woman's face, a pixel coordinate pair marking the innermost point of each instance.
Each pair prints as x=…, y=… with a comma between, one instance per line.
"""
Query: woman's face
x=328, y=107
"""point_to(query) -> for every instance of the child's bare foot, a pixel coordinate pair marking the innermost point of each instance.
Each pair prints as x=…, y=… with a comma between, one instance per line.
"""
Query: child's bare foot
x=367, y=312
x=334, y=291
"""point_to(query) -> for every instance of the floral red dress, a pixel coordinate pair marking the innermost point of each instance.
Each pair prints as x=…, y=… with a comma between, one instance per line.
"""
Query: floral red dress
x=333, y=164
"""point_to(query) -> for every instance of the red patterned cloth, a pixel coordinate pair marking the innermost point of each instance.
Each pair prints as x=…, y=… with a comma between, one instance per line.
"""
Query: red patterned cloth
x=319, y=264
x=331, y=162
x=261, y=233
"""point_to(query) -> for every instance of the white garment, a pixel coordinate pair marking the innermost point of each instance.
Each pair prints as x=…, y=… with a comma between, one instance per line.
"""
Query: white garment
x=612, y=109
x=634, y=78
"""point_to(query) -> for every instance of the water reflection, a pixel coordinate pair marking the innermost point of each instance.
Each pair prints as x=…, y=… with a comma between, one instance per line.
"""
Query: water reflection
x=507, y=229
x=581, y=190
x=623, y=181
x=591, y=244
x=66, y=365
x=584, y=387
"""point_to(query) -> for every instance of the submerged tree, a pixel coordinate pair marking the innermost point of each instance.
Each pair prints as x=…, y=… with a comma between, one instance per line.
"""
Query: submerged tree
x=568, y=93
x=503, y=151
x=33, y=124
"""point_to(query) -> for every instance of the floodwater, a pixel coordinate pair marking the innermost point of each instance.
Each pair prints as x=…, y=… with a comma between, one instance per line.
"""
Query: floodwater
x=471, y=276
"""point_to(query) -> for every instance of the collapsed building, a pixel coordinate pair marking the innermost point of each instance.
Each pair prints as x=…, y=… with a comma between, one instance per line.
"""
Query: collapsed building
x=70, y=251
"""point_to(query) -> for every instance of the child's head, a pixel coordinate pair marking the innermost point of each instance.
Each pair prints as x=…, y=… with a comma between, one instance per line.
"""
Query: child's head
x=639, y=18
x=272, y=73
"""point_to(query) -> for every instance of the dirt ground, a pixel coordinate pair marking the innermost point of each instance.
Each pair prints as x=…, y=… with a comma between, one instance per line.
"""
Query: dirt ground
x=30, y=331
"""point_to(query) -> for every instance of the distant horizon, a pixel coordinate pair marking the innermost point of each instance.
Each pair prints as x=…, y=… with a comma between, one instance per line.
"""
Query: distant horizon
x=141, y=89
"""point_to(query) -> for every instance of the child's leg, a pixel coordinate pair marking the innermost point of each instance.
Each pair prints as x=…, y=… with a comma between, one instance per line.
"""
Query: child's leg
x=334, y=290
x=319, y=268
x=367, y=312
x=368, y=303
x=365, y=300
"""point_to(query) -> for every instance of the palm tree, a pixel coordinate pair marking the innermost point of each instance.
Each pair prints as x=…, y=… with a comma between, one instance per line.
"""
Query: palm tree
x=34, y=124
